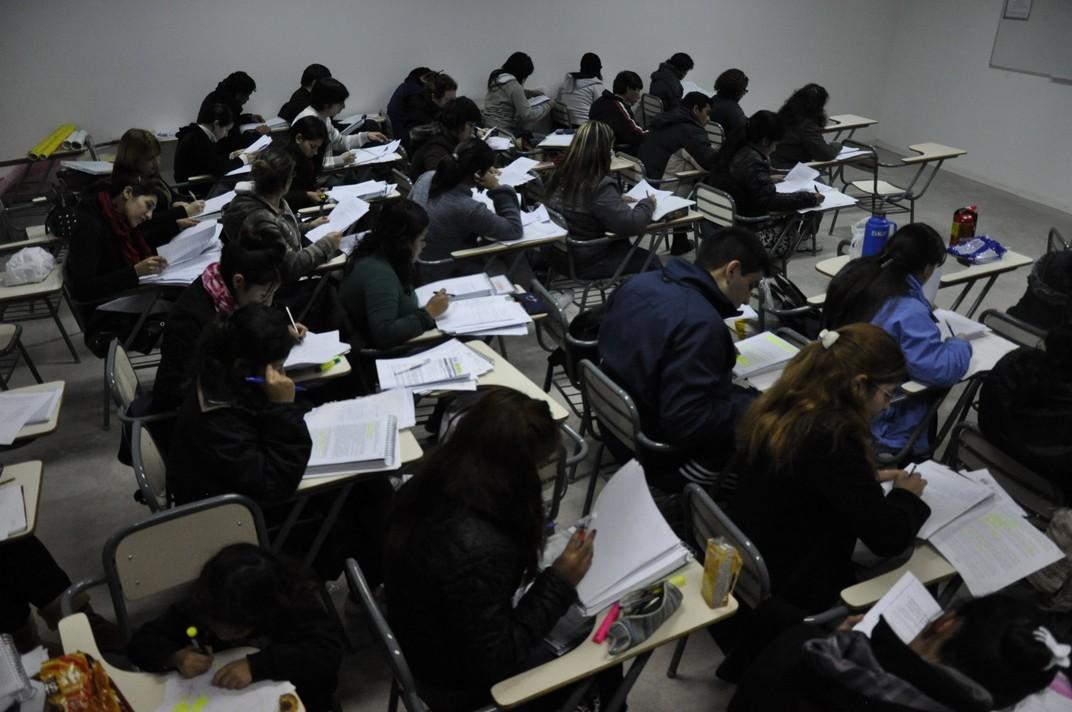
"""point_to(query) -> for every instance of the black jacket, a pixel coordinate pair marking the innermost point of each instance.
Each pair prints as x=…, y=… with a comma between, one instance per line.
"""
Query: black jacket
x=805, y=517
x=728, y=114
x=196, y=154
x=417, y=109
x=235, y=139
x=666, y=84
x=306, y=175
x=429, y=153
x=297, y=103
x=1047, y=302
x=192, y=313
x=749, y=182
x=614, y=112
x=449, y=600
x=301, y=645
x=804, y=142
x=670, y=132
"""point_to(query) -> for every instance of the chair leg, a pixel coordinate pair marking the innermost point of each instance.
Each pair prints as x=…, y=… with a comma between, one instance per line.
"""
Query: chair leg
x=392, y=700
x=55, y=311
x=548, y=375
x=679, y=650
x=591, y=493
x=106, y=418
x=833, y=222
x=29, y=363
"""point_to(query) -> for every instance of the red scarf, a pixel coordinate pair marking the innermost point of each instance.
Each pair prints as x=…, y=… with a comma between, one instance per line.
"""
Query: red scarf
x=212, y=281
x=135, y=248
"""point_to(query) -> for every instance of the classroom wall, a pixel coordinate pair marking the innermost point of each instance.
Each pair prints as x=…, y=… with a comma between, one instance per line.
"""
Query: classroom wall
x=111, y=64
x=1015, y=126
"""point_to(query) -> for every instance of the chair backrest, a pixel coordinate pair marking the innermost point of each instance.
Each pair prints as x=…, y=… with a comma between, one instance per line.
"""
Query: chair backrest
x=633, y=173
x=122, y=379
x=1031, y=490
x=560, y=116
x=612, y=406
x=405, y=185
x=167, y=550
x=1009, y=327
x=705, y=520
x=650, y=106
x=1056, y=242
x=149, y=470
x=715, y=205
x=716, y=135
x=555, y=324
x=403, y=681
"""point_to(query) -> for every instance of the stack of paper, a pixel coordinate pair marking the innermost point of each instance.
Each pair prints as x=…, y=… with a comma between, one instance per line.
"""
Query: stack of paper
x=802, y=178
x=665, y=201
x=377, y=154
x=215, y=205
x=635, y=546
x=257, y=146
x=535, y=216
x=450, y=366
x=560, y=138
x=498, y=143
x=21, y=408
x=366, y=190
x=316, y=350
x=485, y=316
x=688, y=86
x=341, y=217
x=762, y=353
x=948, y=494
x=467, y=287
x=276, y=122
x=192, y=242
x=244, y=168
x=345, y=441
x=517, y=172
x=198, y=693
x=958, y=325
x=351, y=123
x=12, y=510
x=848, y=152
x=93, y=168
x=907, y=608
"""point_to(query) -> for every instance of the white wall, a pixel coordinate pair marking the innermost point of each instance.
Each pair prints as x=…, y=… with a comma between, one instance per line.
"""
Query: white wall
x=1017, y=128
x=111, y=64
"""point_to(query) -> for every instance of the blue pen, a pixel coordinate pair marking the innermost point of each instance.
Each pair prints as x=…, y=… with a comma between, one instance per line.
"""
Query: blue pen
x=258, y=379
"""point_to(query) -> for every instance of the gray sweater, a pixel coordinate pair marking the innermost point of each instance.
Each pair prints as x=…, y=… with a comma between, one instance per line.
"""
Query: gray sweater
x=603, y=212
x=507, y=107
x=455, y=219
x=299, y=261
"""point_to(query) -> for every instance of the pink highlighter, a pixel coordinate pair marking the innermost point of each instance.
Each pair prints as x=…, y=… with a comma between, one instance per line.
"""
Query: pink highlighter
x=604, y=627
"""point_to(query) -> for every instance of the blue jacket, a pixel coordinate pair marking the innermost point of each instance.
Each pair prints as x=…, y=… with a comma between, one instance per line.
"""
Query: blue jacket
x=664, y=341
x=932, y=361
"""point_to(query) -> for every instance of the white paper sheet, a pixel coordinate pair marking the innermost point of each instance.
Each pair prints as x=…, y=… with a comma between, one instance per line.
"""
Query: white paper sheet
x=953, y=324
x=16, y=409
x=481, y=314
x=688, y=86
x=12, y=510
x=665, y=201
x=535, y=216
x=365, y=190
x=498, y=143
x=316, y=349
x=191, y=242
x=351, y=123
x=215, y=205
x=948, y=494
x=467, y=287
x=396, y=402
x=747, y=313
x=259, y=145
x=801, y=178
x=907, y=607
x=517, y=171
x=244, y=168
x=47, y=410
x=560, y=138
x=342, y=216
x=276, y=122
x=93, y=168
x=184, y=273
x=538, y=99
x=199, y=694
x=377, y=154
x=763, y=352
x=848, y=152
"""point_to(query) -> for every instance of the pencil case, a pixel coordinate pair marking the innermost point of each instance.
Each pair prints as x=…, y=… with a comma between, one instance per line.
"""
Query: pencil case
x=643, y=612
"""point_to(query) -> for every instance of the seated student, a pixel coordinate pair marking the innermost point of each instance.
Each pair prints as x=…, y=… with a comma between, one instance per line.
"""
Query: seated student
x=1025, y=407
x=377, y=291
x=804, y=116
x=463, y=534
x=887, y=290
x=455, y=124
x=1047, y=302
x=273, y=170
x=245, y=596
x=198, y=150
x=412, y=85
x=808, y=486
x=303, y=95
x=305, y=144
x=663, y=340
x=587, y=195
x=138, y=151
x=424, y=107
x=666, y=80
x=580, y=89
x=108, y=254
x=614, y=110
x=676, y=129
x=506, y=105
x=329, y=99
x=455, y=218
x=730, y=88
x=240, y=430
x=234, y=91
x=250, y=271
x=983, y=654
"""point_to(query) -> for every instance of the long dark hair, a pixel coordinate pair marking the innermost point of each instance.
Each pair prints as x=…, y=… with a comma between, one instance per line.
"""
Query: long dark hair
x=591, y=67
x=310, y=128
x=394, y=229
x=237, y=347
x=586, y=162
x=489, y=467
x=518, y=64
x=808, y=102
x=762, y=125
x=471, y=157
x=864, y=285
x=258, y=252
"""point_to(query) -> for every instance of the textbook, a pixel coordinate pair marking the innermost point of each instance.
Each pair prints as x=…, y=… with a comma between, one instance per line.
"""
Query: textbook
x=762, y=353
x=467, y=287
x=342, y=444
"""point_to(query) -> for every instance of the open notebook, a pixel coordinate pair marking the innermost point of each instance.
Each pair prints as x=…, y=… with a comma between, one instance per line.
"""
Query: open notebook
x=345, y=440
x=762, y=353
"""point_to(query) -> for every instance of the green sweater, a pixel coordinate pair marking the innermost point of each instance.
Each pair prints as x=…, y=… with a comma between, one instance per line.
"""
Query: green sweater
x=380, y=308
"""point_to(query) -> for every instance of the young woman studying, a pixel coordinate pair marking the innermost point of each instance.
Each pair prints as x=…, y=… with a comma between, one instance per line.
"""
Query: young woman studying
x=303, y=95
x=579, y=89
x=586, y=193
x=809, y=487
x=506, y=105
x=198, y=151
x=455, y=218
x=305, y=144
x=377, y=289
x=804, y=116
x=730, y=88
x=455, y=124
x=234, y=91
x=138, y=151
x=328, y=100
x=424, y=107
x=887, y=290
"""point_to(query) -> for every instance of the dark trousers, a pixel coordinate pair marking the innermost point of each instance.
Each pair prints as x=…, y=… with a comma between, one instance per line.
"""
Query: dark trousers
x=31, y=576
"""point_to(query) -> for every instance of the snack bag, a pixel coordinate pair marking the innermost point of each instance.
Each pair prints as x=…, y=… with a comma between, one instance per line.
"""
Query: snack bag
x=78, y=683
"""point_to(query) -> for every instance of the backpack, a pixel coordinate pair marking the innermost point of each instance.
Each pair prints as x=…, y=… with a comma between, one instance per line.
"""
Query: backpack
x=1055, y=581
x=780, y=294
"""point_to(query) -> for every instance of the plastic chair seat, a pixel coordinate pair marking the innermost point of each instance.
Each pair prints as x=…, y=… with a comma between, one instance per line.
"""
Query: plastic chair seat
x=880, y=188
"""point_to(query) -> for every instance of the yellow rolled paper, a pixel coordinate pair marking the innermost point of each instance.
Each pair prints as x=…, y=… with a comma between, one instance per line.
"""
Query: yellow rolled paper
x=50, y=143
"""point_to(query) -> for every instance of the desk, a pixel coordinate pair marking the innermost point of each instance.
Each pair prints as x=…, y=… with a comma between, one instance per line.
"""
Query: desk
x=927, y=564
x=45, y=241
x=847, y=124
x=36, y=430
x=144, y=691
x=590, y=658
x=494, y=248
x=504, y=373
x=314, y=375
x=27, y=474
x=616, y=164
x=49, y=291
x=987, y=350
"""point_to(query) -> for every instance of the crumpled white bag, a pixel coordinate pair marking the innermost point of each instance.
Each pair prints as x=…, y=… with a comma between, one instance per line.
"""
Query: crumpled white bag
x=28, y=266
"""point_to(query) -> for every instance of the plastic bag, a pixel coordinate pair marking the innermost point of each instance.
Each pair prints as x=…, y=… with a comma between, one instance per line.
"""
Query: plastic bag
x=978, y=251
x=857, y=245
x=28, y=266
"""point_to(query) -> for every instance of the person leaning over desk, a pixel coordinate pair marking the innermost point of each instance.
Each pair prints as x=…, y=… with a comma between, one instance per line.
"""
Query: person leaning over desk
x=614, y=110
x=303, y=95
x=234, y=91
x=198, y=151
x=434, y=142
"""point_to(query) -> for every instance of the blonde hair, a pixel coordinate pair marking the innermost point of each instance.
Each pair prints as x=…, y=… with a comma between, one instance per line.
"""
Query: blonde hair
x=586, y=161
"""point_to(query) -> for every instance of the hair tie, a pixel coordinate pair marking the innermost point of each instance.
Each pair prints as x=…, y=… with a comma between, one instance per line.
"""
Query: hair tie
x=827, y=337
x=1059, y=652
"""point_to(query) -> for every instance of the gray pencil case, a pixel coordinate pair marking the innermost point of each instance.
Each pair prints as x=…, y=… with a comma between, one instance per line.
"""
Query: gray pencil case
x=642, y=613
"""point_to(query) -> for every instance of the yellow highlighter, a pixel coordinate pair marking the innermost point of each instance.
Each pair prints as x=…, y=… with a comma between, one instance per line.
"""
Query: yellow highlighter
x=330, y=364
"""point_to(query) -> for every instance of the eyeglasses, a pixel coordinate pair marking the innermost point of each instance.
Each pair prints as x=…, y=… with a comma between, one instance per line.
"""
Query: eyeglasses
x=890, y=393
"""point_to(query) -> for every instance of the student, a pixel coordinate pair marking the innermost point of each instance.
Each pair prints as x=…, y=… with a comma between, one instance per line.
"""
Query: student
x=424, y=107
x=680, y=128
x=234, y=91
x=377, y=290
x=506, y=105
x=240, y=430
x=614, y=110
x=463, y=534
x=250, y=271
x=456, y=123
x=273, y=170
x=804, y=117
x=303, y=95
x=245, y=596
x=663, y=340
x=587, y=195
x=138, y=151
x=984, y=654
x=455, y=218
x=808, y=486
x=730, y=88
x=108, y=254
x=1025, y=407
x=666, y=80
x=580, y=89
x=305, y=144
x=887, y=290
x=328, y=100
x=410, y=86
x=1047, y=302
x=198, y=150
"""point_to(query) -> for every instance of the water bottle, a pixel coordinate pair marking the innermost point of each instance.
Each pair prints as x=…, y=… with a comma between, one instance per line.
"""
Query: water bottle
x=876, y=233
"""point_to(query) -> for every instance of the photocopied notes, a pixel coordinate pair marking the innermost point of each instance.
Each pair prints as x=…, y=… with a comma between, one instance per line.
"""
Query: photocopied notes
x=350, y=444
x=316, y=350
x=191, y=242
x=198, y=694
x=467, y=287
x=948, y=494
x=907, y=607
x=215, y=205
x=18, y=409
x=665, y=201
x=517, y=171
x=459, y=362
x=346, y=213
x=761, y=353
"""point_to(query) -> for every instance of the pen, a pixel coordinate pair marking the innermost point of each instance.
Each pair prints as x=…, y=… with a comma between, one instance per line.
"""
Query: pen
x=191, y=633
x=291, y=317
x=414, y=367
x=258, y=379
x=950, y=328
x=192, y=196
x=604, y=627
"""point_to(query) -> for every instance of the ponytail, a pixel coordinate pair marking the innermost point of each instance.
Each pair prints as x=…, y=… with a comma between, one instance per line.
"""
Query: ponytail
x=470, y=158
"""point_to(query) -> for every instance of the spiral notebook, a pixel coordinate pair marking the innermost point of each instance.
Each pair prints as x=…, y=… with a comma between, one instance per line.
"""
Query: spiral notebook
x=345, y=446
x=14, y=682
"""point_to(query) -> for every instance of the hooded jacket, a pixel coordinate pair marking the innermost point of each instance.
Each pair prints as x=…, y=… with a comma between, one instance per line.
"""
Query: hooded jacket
x=804, y=142
x=670, y=132
x=234, y=139
x=578, y=93
x=197, y=153
x=299, y=260
x=297, y=102
x=507, y=107
x=666, y=84
x=749, y=182
x=614, y=112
